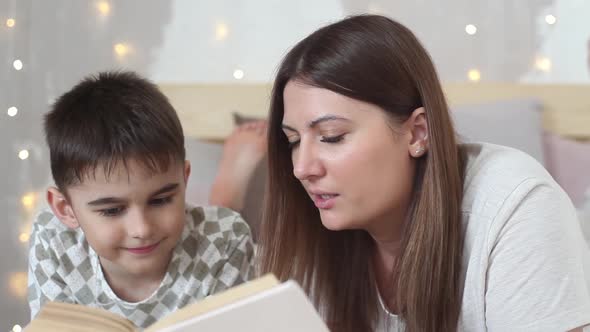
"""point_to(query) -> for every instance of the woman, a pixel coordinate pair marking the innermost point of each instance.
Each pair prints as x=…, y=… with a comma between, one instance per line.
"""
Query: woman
x=389, y=223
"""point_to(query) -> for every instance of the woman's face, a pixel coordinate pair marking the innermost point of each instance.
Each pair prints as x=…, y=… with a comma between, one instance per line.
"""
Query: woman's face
x=355, y=164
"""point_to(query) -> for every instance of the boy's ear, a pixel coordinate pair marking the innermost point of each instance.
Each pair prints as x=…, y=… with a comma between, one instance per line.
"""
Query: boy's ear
x=187, y=170
x=61, y=208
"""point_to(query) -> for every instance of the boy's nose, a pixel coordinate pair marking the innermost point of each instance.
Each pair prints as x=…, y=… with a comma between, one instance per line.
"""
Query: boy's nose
x=139, y=226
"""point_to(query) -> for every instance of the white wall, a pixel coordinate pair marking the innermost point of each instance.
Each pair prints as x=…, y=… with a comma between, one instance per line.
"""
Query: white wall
x=257, y=37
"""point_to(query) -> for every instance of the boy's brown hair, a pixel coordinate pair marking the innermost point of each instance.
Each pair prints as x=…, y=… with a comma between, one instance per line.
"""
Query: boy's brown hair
x=107, y=119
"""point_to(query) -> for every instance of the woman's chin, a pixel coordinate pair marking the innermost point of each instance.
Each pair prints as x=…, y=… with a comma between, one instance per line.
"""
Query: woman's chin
x=335, y=224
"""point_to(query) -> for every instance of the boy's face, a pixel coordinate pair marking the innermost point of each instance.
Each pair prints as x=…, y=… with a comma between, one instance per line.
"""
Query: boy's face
x=132, y=219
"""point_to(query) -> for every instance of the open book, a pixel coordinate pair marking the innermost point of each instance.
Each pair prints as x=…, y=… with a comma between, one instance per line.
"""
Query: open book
x=259, y=305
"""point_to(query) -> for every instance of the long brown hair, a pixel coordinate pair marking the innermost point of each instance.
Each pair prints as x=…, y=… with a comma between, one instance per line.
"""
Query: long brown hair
x=376, y=60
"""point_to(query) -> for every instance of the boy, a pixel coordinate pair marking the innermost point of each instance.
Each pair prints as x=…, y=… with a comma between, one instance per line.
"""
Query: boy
x=120, y=236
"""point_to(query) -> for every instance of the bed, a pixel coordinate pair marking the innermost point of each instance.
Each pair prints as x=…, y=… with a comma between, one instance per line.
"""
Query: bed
x=206, y=110
x=550, y=122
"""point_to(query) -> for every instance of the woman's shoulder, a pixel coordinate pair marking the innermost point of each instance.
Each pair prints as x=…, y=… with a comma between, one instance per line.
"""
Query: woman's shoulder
x=521, y=235
x=491, y=162
x=497, y=177
x=495, y=170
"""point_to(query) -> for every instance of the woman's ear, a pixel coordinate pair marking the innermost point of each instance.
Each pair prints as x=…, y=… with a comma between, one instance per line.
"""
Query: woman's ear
x=61, y=208
x=417, y=126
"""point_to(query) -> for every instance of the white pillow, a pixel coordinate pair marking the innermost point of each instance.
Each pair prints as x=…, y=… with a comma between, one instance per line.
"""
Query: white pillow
x=204, y=158
x=515, y=123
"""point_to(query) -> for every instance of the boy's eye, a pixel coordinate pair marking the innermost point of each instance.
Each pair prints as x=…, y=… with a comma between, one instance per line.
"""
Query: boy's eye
x=111, y=212
x=161, y=200
x=332, y=139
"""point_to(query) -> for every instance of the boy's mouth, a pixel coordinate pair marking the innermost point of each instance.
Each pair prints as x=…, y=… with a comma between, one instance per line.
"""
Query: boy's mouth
x=143, y=250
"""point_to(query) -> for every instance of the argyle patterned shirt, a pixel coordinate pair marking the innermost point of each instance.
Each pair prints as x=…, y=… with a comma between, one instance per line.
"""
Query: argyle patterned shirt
x=214, y=253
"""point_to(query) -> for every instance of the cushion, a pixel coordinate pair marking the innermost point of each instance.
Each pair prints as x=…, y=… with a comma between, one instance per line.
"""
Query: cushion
x=568, y=161
x=515, y=123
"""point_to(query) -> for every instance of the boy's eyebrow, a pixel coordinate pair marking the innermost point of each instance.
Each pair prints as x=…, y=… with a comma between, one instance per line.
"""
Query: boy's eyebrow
x=105, y=200
x=167, y=188
x=112, y=200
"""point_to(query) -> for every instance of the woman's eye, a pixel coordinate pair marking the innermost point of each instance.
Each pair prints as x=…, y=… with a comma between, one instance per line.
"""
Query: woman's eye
x=293, y=144
x=332, y=139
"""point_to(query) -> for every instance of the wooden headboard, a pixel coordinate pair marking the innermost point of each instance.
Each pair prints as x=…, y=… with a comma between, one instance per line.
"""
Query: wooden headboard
x=206, y=110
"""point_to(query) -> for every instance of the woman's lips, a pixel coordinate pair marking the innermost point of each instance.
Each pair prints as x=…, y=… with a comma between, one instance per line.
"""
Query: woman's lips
x=324, y=201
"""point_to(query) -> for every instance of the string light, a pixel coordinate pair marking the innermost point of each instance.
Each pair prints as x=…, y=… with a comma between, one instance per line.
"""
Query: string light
x=121, y=49
x=28, y=200
x=12, y=111
x=25, y=229
x=18, y=65
x=23, y=237
x=104, y=8
x=10, y=22
x=23, y=154
x=550, y=19
x=17, y=328
x=543, y=64
x=474, y=75
x=17, y=283
x=221, y=31
x=471, y=29
x=238, y=74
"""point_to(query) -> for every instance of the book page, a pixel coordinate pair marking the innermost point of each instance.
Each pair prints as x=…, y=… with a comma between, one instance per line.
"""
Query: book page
x=67, y=317
x=216, y=301
x=283, y=308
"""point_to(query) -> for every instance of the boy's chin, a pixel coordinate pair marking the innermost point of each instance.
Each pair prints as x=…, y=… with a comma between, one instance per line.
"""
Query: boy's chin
x=143, y=268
